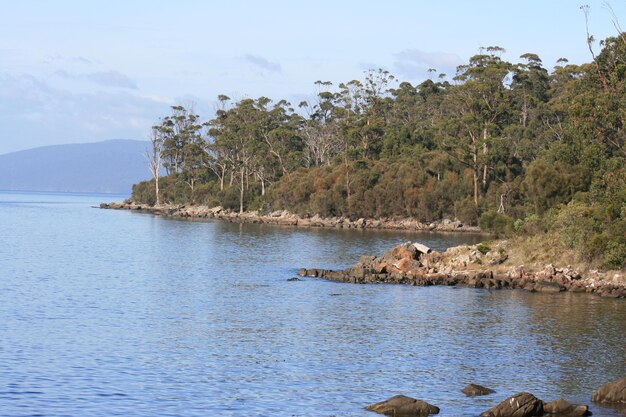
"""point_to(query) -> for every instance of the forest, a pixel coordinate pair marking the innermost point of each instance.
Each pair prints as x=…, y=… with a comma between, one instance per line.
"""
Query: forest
x=512, y=147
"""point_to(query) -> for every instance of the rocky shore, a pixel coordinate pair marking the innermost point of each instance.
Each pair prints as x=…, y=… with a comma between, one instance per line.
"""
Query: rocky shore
x=477, y=266
x=523, y=404
x=283, y=217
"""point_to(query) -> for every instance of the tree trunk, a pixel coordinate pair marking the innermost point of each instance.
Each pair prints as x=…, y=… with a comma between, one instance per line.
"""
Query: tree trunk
x=475, y=169
x=241, y=190
x=475, y=188
x=485, y=150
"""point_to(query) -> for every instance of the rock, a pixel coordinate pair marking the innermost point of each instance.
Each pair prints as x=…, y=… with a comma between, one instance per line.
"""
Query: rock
x=404, y=251
x=611, y=393
x=302, y=272
x=294, y=279
x=563, y=408
x=523, y=404
x=368, y=261
x=548, y=286
x=422, y=248
x=472, y=390
x=405, y=265
x=401, y=405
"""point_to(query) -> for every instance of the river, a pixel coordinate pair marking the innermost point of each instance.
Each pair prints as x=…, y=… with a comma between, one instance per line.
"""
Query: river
x=113, y=313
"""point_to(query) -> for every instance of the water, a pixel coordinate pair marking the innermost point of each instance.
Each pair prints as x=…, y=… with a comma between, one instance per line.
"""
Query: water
x=112, y=313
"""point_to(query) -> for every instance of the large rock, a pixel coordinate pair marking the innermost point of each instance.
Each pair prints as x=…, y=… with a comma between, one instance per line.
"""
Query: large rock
x=401, y=405
x=612, y=393
x=564, y=408
x=403, y=251
x=523, y=404
x=472, y=390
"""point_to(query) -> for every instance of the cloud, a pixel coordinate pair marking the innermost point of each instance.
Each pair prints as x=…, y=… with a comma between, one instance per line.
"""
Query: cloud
x=82, y=60
x=71, y=60
x=33, y=113
x=367, y=66
x=263, y=63
x=416, y=63
x=104, y=78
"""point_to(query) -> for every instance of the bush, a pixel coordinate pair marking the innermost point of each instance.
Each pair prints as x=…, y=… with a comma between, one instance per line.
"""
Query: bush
x=144, y=193
x=483, y=248
x=494, y=222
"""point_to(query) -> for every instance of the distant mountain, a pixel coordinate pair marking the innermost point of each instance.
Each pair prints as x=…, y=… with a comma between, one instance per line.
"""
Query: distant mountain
x=111, y=166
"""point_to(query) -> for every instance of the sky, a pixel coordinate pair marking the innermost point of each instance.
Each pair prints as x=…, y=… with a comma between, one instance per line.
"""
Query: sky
x=85, y=71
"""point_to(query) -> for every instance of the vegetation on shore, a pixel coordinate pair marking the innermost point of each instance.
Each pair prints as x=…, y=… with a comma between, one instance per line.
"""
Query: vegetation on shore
x=512, y=147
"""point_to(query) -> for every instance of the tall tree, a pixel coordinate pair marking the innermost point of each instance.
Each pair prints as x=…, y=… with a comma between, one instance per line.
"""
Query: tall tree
x=474, y=110
x=154, y=160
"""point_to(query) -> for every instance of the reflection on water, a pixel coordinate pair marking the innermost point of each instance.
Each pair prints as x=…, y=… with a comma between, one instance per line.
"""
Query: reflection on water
x=118, y=313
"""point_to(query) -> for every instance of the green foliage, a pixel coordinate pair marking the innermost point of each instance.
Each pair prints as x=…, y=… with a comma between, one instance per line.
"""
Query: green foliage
x=483, y=248
x=497, y=223
x=548, y=184
x=508, y=146
x=143, y=192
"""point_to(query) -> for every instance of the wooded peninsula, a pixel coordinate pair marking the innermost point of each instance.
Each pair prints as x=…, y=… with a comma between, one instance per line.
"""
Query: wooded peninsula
x=512, y=147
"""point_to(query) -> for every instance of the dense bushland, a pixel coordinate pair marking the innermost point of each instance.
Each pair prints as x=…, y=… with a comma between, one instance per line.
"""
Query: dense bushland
x=510, y=146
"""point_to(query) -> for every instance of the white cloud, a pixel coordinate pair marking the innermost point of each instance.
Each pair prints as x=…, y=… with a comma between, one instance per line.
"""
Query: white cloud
x=33, y=113
x=103, y=78
x=263, y=63
x=416, y=63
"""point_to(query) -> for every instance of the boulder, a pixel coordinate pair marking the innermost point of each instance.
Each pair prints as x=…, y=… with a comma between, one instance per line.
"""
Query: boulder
x=472, y=390
x=401, y=405
x=548, y=286
x=611, y=393
x=523, y=404
x=563, y=408
x=422, y=248
x=404, y=251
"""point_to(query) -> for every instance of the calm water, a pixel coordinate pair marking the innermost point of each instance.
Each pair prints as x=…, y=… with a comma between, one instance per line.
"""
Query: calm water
x=111, y=313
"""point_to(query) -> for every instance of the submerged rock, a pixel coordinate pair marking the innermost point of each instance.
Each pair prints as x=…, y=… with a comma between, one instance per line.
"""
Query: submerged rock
x=611, y=393
x=523, y=404
x=401, y=405
x=563, y=408
x=472, y=390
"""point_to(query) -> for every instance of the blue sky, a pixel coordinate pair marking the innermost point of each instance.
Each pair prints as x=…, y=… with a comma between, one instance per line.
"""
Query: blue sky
x=83, y=71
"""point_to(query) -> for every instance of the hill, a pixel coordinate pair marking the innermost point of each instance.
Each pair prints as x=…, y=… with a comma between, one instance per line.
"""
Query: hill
x=111, y=166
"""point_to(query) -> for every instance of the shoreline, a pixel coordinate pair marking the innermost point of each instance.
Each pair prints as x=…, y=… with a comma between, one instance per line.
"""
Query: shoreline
x=467, y=266
x=285, y=218
x=472, y=267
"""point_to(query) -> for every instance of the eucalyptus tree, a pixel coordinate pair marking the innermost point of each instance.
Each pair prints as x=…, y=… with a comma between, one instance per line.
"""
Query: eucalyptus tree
x=254, y=140
x=319, y=130
x=182, y=139
x=475, y=108
x=280, y=130
x=234, y=137
x=154, y=157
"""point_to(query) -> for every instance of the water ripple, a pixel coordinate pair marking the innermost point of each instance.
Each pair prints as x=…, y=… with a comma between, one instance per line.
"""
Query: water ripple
x=106, y=313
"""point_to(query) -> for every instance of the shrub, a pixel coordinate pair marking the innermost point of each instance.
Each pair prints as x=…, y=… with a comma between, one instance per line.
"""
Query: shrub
x=483, y=248
x=143, y=193
x=494, y=222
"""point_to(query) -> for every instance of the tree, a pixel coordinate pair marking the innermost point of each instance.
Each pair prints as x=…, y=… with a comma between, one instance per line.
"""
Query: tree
x=320, y=130
x=475, y=108
x=181, y=138
x=154, y=160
